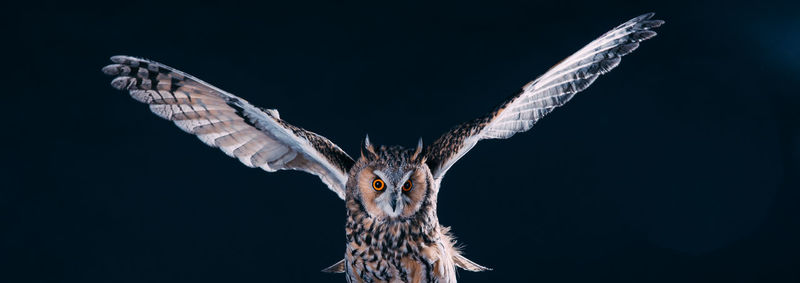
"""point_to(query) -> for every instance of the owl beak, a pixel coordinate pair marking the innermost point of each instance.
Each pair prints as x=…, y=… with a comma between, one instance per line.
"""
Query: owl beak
x=393, y=203
x=396, y=196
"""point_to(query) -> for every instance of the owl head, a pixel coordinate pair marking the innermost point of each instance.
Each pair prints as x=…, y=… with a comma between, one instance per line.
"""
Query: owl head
x=390, y=182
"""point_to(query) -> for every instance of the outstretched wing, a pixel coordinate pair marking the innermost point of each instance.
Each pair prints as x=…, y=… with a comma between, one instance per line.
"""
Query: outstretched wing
x=537, y=98
x=257, y=137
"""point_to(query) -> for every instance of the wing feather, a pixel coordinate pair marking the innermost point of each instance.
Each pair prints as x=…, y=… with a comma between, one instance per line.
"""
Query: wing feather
x=256, y=137
x=540, y=96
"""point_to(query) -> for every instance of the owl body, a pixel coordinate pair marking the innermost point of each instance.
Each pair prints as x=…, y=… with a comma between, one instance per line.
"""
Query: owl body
x=392, y=229
x=398, y=256
x=409, y=246
x=397, y=251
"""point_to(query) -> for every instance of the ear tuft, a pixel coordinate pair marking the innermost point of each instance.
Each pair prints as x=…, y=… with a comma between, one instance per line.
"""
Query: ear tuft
x=417, y=151
x=367, y=150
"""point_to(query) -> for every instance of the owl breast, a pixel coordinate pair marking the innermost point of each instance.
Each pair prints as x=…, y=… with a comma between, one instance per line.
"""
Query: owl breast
x=407, y=250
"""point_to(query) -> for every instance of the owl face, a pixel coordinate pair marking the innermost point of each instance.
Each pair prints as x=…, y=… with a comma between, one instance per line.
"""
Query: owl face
x=392, y=182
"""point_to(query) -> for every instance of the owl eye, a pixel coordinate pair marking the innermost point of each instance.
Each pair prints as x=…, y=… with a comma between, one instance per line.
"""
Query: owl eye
x=378, y=185
x=407, y=186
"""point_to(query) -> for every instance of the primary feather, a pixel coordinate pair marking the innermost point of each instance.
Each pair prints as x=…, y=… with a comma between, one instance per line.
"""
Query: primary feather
x=257, y=137
x=539, y=97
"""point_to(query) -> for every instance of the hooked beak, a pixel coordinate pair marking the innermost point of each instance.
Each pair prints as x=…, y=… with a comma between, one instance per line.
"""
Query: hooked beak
x=394, y=200
x=393, y=203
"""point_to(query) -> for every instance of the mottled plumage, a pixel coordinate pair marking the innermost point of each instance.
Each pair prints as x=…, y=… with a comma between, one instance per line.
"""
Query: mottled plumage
x=256, y=136
x=539, y=97
x=392, y=229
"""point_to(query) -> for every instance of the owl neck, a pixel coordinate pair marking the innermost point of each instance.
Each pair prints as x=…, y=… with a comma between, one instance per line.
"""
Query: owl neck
x=423, y=226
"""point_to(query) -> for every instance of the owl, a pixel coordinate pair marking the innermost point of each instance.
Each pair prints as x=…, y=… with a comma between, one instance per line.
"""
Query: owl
x=390, y=192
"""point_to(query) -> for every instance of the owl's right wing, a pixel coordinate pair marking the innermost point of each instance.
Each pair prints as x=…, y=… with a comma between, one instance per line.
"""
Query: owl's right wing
x=539, y=97
x=257, y=137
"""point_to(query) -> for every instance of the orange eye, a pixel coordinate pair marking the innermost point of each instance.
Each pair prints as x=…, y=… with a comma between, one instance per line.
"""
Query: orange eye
x=378, y=185
x=407, y=186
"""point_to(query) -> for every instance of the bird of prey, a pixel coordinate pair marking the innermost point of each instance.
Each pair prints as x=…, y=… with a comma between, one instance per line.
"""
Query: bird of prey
x=390, y=192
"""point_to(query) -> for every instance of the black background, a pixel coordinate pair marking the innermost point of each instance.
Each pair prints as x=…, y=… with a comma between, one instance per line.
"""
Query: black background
x=681, y=165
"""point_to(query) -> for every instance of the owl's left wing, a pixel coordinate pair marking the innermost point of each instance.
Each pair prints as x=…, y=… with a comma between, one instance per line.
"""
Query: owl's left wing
x=257, y=137
x=539, y=97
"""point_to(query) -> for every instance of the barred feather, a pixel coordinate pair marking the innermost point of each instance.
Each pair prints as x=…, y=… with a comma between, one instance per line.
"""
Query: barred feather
x=257, y=137
x=539, y=97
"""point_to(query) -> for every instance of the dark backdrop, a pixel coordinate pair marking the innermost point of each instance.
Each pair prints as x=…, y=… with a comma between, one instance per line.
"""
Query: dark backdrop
x=681, y=165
